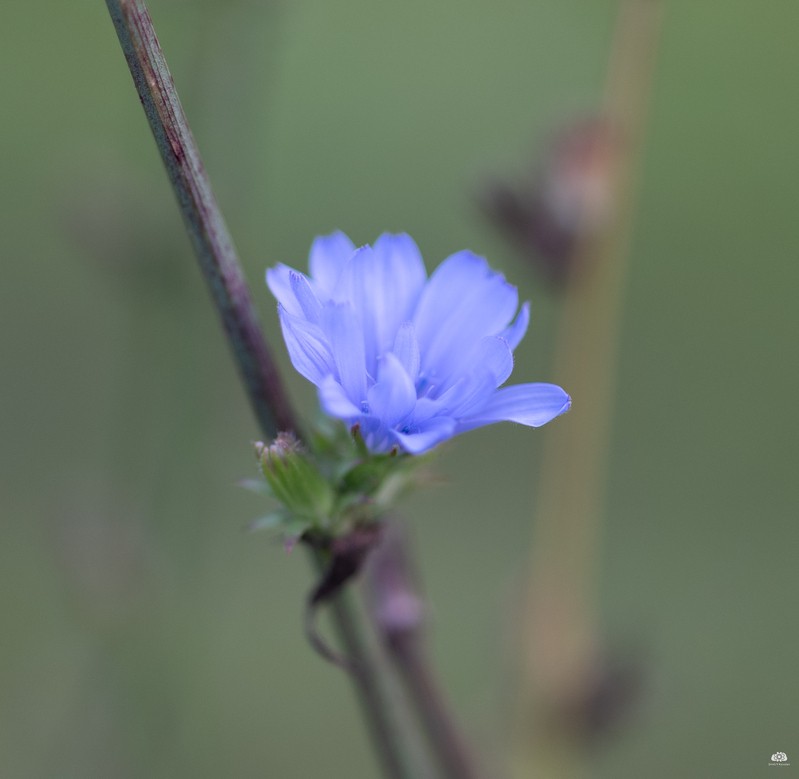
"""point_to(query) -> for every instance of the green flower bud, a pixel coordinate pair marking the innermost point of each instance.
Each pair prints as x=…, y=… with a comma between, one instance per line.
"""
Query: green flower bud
x=295, y=480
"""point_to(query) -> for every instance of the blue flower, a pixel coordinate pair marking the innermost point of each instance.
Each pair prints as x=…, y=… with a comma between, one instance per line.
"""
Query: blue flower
x=413, y=360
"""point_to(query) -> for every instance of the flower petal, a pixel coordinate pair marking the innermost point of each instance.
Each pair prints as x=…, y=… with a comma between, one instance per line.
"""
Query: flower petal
x=399, y=277
x=306, y=345
x=278, y=280
x=514, y=333
x=345, y=336
x=426, y=435
x=375, y=434
x=383, y=283
x=310, y=305
x=470, y=395
x=425, y=409
x=352, y=289
x=406, y=348
x=463, y=302
x=335, y=401
x=393, y=397
x=528, y=404
x=329, y=255
x=494, y=355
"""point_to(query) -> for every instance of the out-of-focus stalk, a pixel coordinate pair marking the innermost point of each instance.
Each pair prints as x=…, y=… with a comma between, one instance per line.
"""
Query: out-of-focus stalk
x=399, y=616
x=559, y=640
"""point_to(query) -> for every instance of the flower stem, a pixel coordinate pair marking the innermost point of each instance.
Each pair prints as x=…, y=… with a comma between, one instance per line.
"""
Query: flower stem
x=220, y=266
x=375, y=698
x=204, y=222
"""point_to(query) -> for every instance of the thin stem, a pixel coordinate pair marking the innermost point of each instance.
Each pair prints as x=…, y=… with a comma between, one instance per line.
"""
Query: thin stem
x=399, y=616
x=374, y=697
x=426, y=696
x=220, y=267
x=204, y=222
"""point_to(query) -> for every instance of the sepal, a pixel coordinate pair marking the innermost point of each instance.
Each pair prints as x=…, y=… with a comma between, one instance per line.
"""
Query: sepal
x=332, y=488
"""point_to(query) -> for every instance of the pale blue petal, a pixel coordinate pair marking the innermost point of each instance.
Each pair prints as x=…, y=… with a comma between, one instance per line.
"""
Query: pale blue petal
x=514, y=333
x=426, y=408
x=393, y=397
x=375, y=434
x=307, y=346
x=340, y=325
x=353, y=289
x=493, y=354
x=329, y=255
x=383, y=283
x=463, y=302
x=398, y=278
x=528, y=404
x=335, y=401
x=468, y=394
x=471, y=394
x=279, y=281
x=426, y=435
x=309, y=303
x=406, y=348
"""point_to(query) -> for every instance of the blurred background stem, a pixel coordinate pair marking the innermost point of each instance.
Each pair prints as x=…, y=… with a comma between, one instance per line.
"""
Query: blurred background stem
x=560, y=645
x=220, y=266
x=399, y=615
x=448, y=746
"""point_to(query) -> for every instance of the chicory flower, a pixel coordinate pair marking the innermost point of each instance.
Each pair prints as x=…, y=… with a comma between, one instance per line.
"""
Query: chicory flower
x=413, y=360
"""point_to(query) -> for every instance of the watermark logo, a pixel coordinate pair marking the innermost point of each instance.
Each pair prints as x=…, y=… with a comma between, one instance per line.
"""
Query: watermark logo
x=779, y=759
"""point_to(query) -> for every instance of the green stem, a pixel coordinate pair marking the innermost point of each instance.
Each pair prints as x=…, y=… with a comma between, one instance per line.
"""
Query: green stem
x=204, y=222
x=220, y=266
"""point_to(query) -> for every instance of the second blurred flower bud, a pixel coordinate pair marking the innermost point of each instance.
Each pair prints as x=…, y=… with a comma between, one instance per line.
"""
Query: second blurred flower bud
x=565, y=201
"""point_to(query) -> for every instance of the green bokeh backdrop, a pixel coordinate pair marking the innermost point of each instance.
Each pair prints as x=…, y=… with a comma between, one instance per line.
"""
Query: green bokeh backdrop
x=143, y=633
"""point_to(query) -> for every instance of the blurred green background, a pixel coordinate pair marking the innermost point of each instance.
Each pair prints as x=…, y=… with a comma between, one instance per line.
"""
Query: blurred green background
x=143, y=633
